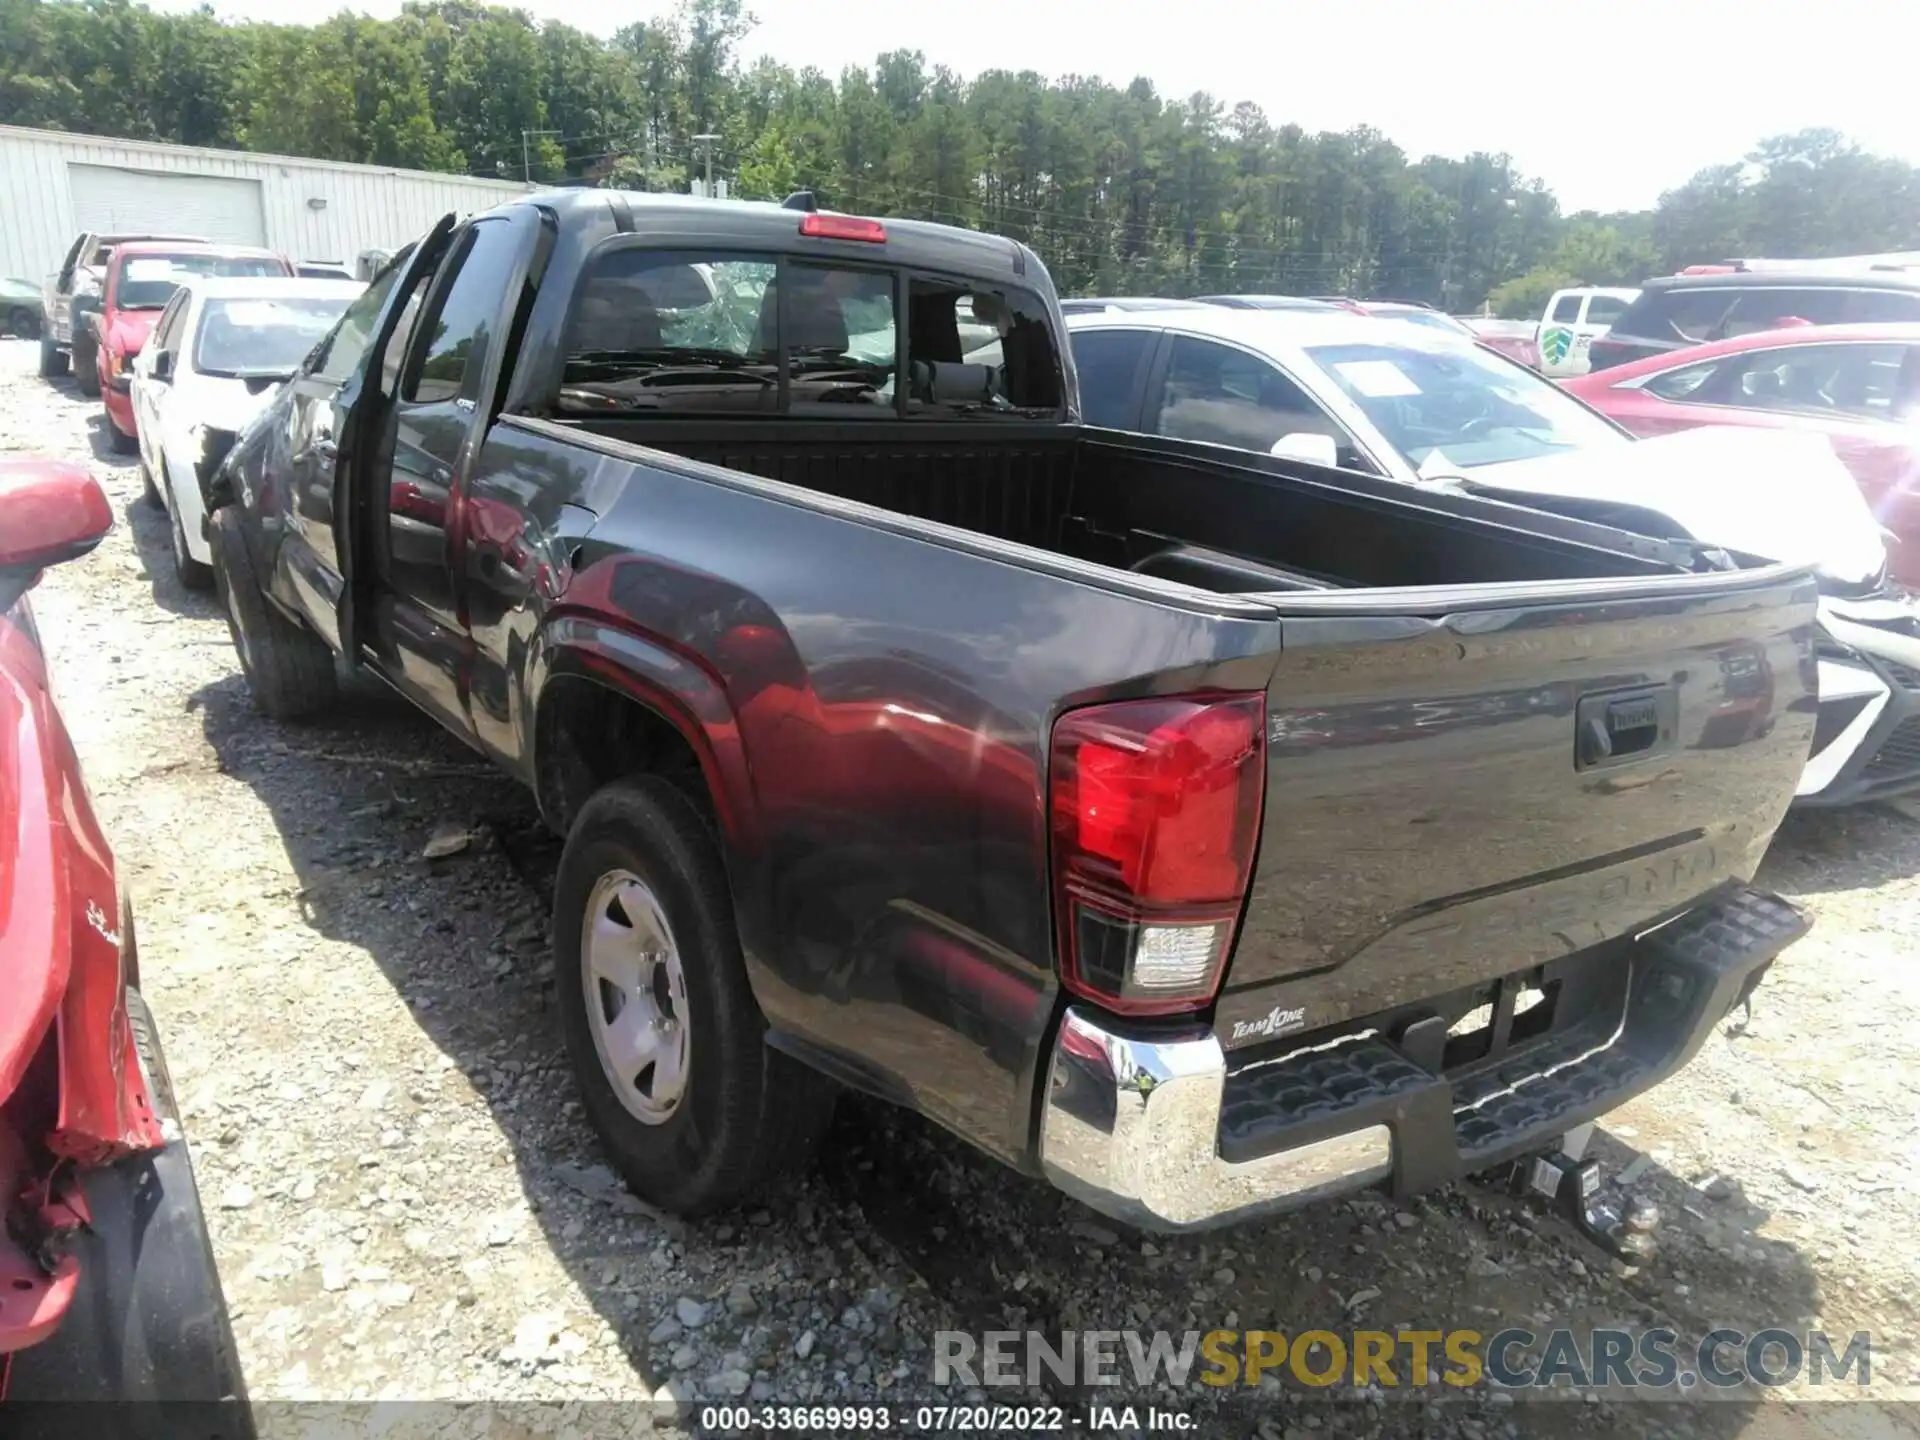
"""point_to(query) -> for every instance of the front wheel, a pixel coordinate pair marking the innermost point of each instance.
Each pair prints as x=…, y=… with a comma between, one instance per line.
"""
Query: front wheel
x=288, y=669
x=123, y=443
x=53, y=360
x=667, y=1043
x=23, y=322
x=191, y=573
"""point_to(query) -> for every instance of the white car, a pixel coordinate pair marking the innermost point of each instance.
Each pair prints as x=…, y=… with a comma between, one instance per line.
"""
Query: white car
x=218, y=352
x=1417, y=405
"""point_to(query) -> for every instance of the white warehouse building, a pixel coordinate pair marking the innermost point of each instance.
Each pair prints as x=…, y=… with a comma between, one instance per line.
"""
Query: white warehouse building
x=56, y=185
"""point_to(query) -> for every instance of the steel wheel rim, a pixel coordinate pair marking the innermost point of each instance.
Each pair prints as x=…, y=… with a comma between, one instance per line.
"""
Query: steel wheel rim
x=635, y=989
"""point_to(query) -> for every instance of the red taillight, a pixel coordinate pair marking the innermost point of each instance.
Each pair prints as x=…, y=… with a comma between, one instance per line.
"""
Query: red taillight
x=843, y=227
x=1155, y=814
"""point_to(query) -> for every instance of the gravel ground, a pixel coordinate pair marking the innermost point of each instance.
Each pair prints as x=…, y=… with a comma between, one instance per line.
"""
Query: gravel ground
x=407, y=1203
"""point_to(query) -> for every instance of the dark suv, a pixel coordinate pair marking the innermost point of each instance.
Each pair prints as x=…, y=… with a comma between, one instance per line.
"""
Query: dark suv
x=1681, y=310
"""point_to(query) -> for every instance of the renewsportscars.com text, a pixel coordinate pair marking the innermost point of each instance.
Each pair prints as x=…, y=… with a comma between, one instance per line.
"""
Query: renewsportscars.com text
x=1653, y=1359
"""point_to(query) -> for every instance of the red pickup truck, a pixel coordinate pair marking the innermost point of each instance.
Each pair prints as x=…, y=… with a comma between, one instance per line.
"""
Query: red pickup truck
x=140, y=279
x=108, y=1290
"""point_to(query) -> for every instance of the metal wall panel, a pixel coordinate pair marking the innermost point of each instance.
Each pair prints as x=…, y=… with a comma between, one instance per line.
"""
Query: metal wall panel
x=312, y=209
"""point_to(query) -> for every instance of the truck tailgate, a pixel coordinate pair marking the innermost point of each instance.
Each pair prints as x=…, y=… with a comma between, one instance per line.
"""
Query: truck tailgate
x=1464, y=784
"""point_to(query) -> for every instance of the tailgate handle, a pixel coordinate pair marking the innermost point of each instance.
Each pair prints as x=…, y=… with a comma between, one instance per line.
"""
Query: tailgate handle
x=1616, y=728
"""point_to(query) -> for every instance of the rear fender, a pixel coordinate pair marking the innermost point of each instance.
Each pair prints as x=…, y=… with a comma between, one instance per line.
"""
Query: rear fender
x=682, y=692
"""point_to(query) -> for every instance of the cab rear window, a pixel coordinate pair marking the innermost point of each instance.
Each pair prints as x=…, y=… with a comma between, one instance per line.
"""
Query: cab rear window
x=724, y=332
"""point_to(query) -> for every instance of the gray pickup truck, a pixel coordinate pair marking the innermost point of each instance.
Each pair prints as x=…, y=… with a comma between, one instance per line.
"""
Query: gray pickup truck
x=1203, y=832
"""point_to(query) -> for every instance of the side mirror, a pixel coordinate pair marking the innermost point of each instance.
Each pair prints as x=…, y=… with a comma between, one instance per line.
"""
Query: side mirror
x=1314, y=449
x=50, y=511
x=163, y=365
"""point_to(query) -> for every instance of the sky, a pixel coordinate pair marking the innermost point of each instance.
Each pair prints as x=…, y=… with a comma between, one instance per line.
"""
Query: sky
x=1609, y=104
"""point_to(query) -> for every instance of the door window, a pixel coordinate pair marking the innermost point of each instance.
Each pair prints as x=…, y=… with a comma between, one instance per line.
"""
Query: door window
x=166, y=334
x=1670, y=315
x=464, y=316
x=1857, y=381
x=340, y=352
x=1682, y=383
x=1217, y=393
x=1605, y=309
x=1566, y=310
x=1109, y=363
x=1757, y=310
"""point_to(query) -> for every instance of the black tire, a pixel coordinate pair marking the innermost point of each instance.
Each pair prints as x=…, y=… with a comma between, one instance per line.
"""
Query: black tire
x=86, y=370
x=748, y=1113
x=122, y=443
x=23, y=322
x=191, y=573
x=53, y=360
x=289, y=670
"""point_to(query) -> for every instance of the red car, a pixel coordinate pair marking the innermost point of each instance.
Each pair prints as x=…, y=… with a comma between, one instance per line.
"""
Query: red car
x=107, y=1283
x=1859, y=384
x=140, y=279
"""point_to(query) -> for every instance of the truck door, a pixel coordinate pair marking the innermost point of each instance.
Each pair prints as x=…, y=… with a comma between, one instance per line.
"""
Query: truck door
x=1559, y=332
x=418, y=460
x=324, y=424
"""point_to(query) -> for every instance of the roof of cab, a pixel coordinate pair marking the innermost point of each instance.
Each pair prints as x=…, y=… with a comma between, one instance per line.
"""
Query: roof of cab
x=134, y=250
x=767, y=226
x=1275, y=330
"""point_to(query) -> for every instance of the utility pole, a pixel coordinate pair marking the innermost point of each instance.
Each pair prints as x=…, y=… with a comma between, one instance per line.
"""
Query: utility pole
x=526, y=154
x=706, y=145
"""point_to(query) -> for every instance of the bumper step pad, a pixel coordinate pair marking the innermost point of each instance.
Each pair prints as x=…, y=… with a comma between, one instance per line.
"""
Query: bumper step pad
x=1684, y=977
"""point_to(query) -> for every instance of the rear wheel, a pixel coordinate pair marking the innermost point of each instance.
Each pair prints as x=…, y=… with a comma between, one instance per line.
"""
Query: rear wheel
x=23, y=322
x=123, y=443
x=666, y=1041
x=53, y=360
x=86, y=370
x=288, y=669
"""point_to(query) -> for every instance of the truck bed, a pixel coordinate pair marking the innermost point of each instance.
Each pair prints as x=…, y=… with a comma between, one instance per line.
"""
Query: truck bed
x=1217, y=519
x=1432, y=839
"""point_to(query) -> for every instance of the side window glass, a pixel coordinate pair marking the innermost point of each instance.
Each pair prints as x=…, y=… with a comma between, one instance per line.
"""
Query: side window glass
x=1689, y=382
x=340, y=352
x=1566, y=310
x=1109, y=363
x=1757, y=310
x=1690, y=315
x=1605, y=309
x=456, y=332
x=1884, y=306
x=1223, y=395
x=1843, y=380
x=166, y=335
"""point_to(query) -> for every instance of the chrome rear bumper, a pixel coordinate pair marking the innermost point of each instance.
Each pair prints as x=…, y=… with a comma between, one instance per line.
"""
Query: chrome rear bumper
x=1132, y=1128
x=1154, y=1128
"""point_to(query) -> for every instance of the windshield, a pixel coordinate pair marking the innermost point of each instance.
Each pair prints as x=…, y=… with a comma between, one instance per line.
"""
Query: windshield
x=1459, y=408
x=1431, y=319
x=147, y=282
x=240, y=338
